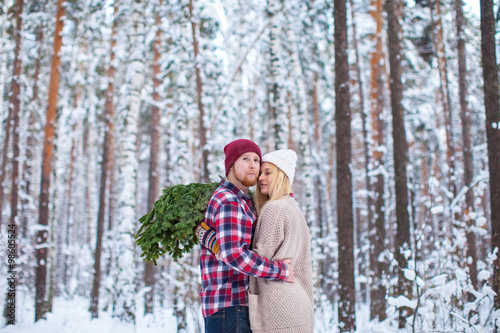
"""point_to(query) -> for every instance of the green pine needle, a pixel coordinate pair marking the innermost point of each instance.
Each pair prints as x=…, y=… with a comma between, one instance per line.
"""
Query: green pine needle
x=169, y=227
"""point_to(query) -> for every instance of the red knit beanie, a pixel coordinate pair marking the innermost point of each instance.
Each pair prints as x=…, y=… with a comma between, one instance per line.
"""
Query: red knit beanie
x=233, y=150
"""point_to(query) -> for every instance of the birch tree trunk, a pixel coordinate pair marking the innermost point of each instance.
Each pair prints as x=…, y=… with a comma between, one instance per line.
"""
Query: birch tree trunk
x=363, y=223
x=402, y=242
x=123, y=261
x=30, y=143
x=48, y=145
x=492, y=108
x=13, y=119
x=345, y=223
x=277, y=107
x=467, y=145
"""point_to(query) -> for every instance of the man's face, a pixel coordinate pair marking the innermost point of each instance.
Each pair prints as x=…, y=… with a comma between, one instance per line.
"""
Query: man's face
x=246, y=168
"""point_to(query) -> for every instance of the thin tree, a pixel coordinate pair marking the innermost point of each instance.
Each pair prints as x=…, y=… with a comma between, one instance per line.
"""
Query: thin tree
x=362, y=222
x=402, y=242
x=444, y=89
x=347, y=292
x=492, y=108
x=466, y=141
x=199, y=93
x=48, y=145
x=30, y=140
x=127, y=165
x=14, y=106
x=13, y=116
x=377, y=229
x=109, y=113
x=276, y=106
x=154, y=170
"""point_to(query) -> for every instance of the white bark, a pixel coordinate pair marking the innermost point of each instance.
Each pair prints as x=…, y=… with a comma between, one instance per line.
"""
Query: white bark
x=127, y=163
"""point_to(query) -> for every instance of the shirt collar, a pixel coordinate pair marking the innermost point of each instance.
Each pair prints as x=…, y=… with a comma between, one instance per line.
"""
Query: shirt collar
x=234, y=188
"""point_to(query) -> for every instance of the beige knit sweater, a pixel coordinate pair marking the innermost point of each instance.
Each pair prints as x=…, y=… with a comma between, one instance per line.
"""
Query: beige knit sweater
x=275, y=305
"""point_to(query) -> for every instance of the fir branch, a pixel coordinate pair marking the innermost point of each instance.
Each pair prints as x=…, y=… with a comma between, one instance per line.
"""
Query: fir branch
x=169, y=226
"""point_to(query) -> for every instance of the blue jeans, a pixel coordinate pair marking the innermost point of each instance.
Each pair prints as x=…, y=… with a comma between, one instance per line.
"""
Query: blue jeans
x=233, y=319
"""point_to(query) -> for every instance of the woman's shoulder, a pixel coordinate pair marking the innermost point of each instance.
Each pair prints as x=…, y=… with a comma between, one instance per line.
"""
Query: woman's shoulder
x=277, y=205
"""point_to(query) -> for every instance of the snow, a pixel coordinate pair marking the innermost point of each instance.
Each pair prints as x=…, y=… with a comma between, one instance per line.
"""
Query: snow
x=402, y=301
x=437, y=209
x=72, y=316
x=483, y=275
x=409, y=274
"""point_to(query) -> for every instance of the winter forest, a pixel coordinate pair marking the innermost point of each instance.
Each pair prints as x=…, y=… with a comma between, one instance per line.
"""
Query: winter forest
x=391, y=105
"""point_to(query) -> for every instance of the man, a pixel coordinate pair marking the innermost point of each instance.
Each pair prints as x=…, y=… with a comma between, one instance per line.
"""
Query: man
x=231, y=213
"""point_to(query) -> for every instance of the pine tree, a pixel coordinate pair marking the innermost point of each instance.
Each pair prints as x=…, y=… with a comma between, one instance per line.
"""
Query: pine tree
x=347, y=292
x=402, y=243
x=377, y=229
x=48, y=145
x=199, y=95
x=107, y=146
x=492, y=108
x=466, y=140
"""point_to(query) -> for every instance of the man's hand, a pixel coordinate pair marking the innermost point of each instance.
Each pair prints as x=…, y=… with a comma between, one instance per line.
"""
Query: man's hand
x=291, y=270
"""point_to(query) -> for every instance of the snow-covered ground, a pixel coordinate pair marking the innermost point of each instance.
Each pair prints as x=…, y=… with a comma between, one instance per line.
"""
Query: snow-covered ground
x=72, y=316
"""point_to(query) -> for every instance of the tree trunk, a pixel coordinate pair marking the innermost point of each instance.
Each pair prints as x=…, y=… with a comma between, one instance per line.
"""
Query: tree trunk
x=347, y=292
x=127, y=164
x=109, y=108
x=377, y=229
x=402, y=242
x=199, y=91
x=108, y=144
x=48, y=145
x=15, y=105
x=445, y=98
x=5, y=157
x=69, y=217
x=31, y=142
x=111, y=183
x=14, y=110
x=154, y=170
x=362, y=223
x=277, y=96
x=491, y=104
x=467, y=145
x=13, y=118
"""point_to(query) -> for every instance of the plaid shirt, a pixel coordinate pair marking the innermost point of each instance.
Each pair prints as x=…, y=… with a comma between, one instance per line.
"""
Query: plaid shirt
x=225, y=283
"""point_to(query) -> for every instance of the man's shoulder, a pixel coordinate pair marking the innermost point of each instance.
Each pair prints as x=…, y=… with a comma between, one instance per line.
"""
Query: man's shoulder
x=223, y=195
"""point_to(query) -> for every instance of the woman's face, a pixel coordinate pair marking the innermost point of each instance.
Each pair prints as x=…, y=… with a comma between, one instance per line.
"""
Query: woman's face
x=265, y=178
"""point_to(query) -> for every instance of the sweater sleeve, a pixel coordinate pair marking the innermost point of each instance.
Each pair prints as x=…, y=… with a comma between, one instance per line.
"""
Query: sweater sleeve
x=231, y=225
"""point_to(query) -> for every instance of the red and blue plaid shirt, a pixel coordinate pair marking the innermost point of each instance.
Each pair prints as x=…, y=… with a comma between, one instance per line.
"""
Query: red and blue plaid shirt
x=224, y=283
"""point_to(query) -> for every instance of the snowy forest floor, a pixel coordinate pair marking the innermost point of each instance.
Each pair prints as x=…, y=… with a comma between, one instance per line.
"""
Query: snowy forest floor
x=72, y=316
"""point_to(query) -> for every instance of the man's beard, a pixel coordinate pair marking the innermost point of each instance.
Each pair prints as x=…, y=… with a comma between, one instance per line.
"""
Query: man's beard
x=247, y=181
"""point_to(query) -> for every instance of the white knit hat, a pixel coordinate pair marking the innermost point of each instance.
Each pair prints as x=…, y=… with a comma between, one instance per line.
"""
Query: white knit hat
x=285, y=160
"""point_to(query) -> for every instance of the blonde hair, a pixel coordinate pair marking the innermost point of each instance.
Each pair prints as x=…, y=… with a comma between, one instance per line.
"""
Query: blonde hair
x=279, y=187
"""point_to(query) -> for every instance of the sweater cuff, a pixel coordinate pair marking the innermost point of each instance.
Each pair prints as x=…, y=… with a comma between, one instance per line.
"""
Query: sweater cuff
x=283, y=271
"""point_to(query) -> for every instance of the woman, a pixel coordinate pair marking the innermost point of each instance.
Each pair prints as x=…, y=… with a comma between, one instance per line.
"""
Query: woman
x=281, y=232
